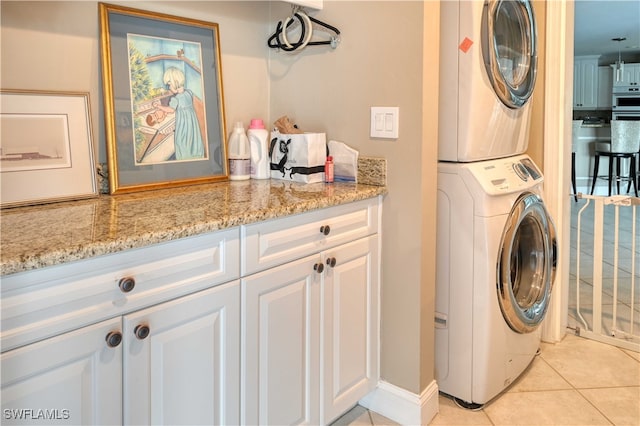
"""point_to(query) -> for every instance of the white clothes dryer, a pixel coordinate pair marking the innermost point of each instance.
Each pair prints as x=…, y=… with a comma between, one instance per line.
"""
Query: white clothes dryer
x=496, y=256
x=488, y=59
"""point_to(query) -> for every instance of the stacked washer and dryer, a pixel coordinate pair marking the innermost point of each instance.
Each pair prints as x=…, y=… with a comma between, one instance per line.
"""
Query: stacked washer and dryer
x=496, y=245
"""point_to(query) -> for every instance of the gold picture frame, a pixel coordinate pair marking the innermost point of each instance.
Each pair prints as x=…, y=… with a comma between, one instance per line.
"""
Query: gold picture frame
x=46, y=147
x=163, y=100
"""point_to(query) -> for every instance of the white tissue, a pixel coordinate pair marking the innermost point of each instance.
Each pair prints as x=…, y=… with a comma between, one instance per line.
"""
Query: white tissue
x=345, y=162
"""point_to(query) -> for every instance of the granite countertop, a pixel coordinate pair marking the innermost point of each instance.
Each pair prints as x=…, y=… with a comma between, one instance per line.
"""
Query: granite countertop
x=595, y=124
x=39, y=236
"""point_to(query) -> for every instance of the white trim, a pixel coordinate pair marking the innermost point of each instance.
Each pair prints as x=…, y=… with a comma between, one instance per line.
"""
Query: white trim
x=557, y=131
x=402, y=406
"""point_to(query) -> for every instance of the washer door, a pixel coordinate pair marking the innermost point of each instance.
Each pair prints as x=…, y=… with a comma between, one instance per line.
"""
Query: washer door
x=509, y=49
x=526, y=264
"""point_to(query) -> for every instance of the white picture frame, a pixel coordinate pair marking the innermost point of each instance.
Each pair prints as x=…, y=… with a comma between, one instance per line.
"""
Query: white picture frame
x=46, y=147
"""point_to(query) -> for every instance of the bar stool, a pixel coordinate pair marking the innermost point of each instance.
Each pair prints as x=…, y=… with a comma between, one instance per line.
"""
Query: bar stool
x=625, y=144
x=575, y=129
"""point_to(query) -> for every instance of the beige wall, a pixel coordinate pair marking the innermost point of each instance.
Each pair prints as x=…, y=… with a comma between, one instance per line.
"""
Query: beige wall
x=53, y=45
x=379, y=62
x=387, y=57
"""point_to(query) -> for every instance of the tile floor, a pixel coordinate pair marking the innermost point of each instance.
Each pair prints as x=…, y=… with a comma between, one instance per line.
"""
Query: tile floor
x=576, y=381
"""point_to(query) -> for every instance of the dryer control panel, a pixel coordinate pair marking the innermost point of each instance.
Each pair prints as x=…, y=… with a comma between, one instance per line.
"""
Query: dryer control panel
x=506, y=175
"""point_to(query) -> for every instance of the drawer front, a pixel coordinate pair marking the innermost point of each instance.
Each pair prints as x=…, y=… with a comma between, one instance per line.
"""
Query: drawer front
x=45, y=302
x=272, y=243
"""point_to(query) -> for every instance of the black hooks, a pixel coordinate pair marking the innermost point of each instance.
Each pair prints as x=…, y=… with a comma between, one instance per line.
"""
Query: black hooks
x=279, y=40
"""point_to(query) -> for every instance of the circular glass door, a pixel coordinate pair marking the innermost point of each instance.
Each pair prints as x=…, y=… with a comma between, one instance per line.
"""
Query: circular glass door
x=526, y=264
x=509, y=49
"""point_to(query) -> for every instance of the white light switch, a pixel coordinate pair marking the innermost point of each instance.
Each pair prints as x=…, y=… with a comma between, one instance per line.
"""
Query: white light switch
x=385, y=122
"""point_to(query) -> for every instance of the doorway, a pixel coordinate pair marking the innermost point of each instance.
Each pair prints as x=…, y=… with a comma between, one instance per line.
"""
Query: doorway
x=559, y=74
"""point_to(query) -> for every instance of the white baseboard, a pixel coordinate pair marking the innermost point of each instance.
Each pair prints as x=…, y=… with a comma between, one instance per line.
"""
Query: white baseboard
x=402, y=406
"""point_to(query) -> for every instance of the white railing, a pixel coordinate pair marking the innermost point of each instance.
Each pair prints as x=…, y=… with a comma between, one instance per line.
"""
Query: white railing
x=617, y=324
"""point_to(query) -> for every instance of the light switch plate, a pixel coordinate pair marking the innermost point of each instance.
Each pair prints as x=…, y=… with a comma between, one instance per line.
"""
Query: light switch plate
x=385, y=122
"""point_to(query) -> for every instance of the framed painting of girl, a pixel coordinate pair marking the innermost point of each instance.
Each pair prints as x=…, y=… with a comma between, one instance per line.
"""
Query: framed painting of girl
x=164, y=106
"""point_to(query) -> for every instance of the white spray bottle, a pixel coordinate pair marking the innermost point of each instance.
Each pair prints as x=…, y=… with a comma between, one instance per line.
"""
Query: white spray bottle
x=239, y=154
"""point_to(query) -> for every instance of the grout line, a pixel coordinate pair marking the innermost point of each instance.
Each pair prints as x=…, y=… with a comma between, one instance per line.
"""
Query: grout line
x=575, y=389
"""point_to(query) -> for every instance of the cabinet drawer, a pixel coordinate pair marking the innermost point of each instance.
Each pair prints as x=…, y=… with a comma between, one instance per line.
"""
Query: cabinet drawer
x=272, y=243
x=45, y=302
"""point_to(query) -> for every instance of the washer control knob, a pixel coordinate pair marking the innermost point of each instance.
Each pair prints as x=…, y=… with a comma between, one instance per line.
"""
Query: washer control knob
x=521, y=171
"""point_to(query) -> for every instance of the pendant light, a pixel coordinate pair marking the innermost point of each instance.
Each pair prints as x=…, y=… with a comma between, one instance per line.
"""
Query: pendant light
x=619, y=63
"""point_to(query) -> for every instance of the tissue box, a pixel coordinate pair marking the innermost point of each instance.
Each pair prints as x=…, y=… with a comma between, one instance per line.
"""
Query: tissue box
x=298, y=157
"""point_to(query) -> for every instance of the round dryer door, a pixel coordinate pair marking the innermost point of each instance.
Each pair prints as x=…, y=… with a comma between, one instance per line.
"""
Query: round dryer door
x=526, y=264
x=509, y=49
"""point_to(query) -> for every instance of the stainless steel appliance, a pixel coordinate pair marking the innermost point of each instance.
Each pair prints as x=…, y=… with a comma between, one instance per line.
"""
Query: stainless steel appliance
x=631, y=89
x=626, y=115
x=625, y=103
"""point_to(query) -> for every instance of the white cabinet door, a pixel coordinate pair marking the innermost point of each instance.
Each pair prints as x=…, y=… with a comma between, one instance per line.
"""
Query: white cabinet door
x=605, y=87
x=184, y=367
x=350, y=326
x=635, y=74
x=310, y=339
x=74, y=378
x=630, y=75
x=280, y=335
x=585, y=84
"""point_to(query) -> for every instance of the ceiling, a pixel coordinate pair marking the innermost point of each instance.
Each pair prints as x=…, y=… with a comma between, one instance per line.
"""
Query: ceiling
x=598, y=21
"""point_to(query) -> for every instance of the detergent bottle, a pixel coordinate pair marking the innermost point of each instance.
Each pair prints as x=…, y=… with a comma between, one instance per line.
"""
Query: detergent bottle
x=258, y=141
x=239, y=154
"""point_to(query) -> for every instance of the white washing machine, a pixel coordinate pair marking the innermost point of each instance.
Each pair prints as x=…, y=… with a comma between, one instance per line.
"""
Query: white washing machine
x=488, y=59
x=495, y=269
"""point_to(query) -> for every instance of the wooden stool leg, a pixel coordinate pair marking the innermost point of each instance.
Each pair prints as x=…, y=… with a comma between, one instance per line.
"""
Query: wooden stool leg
x=573, y=176
x=618, y=174
x=596, y=166
x=610, y=174
x=632, y=175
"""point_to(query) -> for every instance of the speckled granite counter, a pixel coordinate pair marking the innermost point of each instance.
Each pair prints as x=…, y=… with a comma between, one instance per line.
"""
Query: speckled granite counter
x=596, y=125
x=40, y=236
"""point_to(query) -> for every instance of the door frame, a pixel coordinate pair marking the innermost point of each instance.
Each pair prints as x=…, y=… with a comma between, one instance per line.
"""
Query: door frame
x=557, y=167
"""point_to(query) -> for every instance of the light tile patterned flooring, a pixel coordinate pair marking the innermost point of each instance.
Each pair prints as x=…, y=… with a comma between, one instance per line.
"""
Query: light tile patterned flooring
x=574, y=382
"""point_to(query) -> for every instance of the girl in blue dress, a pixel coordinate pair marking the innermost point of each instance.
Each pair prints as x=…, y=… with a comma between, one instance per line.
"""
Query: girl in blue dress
x=187, y=137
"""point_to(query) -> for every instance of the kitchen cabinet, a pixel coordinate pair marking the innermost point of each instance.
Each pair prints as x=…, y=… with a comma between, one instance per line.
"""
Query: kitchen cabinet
x=585, y=82
x=170, y=341
x=605, y=87
x=74, y=378
x=310, y=324
x=272, y=322
x=181, y=360
x=175, y=363
x=630, y=75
